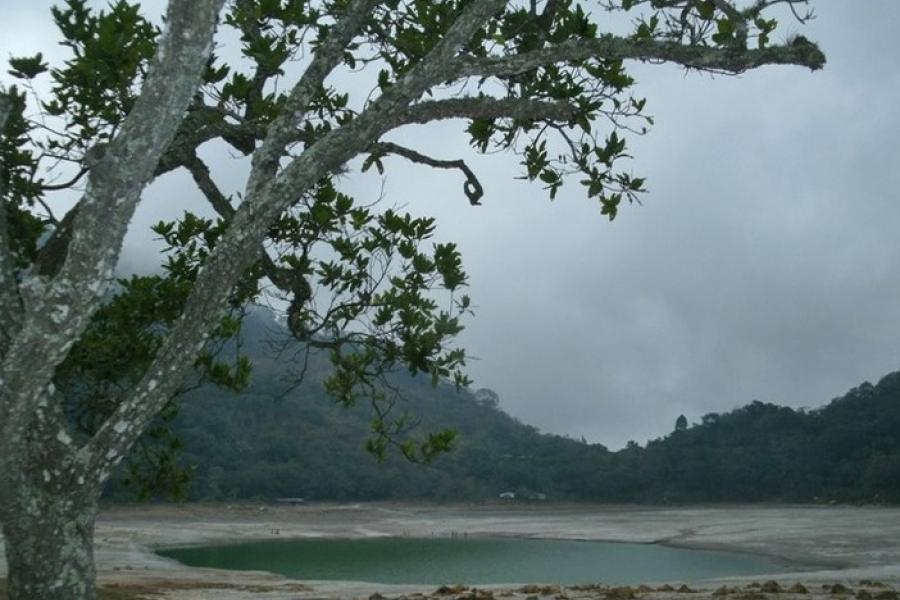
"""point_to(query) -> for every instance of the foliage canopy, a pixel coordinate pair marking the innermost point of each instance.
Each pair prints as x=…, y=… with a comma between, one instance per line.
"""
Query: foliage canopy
x=544, y=82
x=89, y=360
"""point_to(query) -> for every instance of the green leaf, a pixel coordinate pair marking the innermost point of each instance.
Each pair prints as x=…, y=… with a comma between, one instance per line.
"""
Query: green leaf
x=706, y=9
x=27, y=67
x=321, y=214
x=548, y=176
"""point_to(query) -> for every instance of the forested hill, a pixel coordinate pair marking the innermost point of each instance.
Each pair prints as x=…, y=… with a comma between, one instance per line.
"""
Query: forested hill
x=265, y=444
x=268, y=442
x=848, y=450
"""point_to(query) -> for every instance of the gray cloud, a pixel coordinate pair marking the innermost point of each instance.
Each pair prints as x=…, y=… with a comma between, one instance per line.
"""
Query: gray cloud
x=763, y=265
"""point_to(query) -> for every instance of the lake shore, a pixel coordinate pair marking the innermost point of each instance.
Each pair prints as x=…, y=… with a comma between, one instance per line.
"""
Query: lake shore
x=830, y=544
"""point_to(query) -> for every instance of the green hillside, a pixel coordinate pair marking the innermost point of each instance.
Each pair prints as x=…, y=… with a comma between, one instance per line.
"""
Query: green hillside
x=848, y=450
x=272, y=441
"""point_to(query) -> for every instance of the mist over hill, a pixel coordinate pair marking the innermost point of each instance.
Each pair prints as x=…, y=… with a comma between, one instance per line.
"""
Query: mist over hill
x=276, y=440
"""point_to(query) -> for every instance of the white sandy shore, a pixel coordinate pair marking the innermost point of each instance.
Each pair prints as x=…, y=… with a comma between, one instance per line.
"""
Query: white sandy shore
x=845, y=544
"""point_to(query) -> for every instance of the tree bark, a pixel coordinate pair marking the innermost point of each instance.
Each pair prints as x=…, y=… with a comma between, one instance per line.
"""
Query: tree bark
x=48, y=513
x=50, y=544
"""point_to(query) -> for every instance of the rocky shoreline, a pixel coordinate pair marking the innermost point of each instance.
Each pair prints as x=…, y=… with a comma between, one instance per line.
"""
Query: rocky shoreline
x=285, y=590
x=850, y=552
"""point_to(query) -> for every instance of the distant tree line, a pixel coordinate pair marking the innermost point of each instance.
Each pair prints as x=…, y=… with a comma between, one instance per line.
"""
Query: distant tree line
x=270, y=442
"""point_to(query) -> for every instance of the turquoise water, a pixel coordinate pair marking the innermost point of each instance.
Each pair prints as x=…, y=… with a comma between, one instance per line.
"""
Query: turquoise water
x=476, y=561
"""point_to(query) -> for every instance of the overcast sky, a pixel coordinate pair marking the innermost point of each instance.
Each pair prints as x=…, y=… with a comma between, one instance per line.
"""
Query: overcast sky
x=764, y=263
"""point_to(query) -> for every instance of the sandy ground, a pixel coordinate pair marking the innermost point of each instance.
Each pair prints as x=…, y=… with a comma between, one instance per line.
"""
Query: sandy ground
x=856, y=546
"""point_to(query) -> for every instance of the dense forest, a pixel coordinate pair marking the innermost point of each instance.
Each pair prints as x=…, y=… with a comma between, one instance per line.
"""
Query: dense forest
x=275, y=440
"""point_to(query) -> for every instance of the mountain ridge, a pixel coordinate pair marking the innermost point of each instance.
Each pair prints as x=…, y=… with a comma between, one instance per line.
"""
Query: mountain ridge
x=271, y=441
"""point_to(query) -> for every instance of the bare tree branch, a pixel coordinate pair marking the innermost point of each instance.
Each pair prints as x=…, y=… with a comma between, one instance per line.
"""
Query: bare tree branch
x=471, y=188
x=610, y=47
x=50, y=187
x=200, y=125
x=483, y=107
x=203, y=178
x=760, y=5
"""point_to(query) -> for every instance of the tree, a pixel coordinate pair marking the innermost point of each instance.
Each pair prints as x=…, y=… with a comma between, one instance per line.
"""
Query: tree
x=89, y=362
x=681, y=423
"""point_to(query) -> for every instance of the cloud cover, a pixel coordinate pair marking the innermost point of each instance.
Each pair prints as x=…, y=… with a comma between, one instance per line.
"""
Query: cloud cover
x=764, y=263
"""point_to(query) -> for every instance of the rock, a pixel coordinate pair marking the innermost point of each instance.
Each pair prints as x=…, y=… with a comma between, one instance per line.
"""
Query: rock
x=447, y=590
x=376, y=596
x=644, y=588
x=770, y=587
x=863, y=595
x=620, y=593
x=886, y=595
x=722, y=591
x=665, y=588
x=550, y=590
x=590, y=587
x=840, y=588
x=798, y=588
x=684, y=589
x=547, y=590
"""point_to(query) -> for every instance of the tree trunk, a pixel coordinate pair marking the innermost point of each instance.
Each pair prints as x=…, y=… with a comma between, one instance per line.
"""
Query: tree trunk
x=50, y=544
